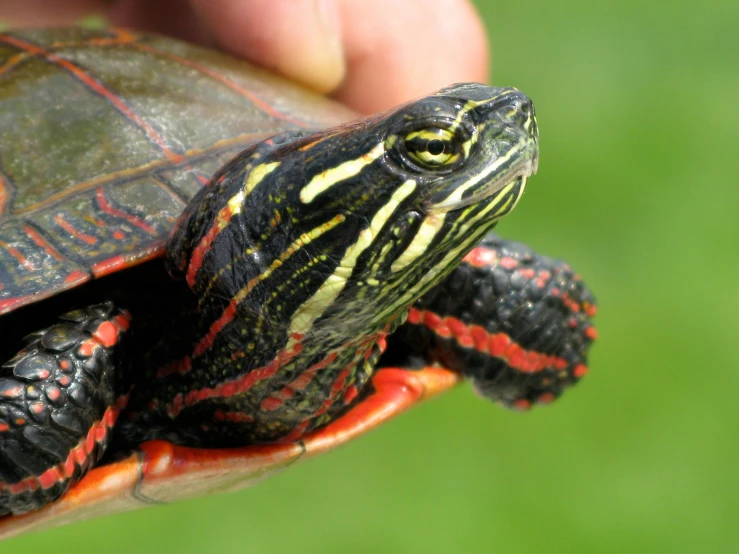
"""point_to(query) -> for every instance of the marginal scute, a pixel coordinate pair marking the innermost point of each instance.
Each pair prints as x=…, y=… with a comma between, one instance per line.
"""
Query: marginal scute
x=109, y=192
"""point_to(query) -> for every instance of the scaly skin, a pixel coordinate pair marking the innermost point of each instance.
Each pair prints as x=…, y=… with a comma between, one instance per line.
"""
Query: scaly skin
x=59, y=399
x=514, y=322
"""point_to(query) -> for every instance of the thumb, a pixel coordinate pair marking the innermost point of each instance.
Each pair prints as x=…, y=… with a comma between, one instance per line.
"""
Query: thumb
x=298, y=38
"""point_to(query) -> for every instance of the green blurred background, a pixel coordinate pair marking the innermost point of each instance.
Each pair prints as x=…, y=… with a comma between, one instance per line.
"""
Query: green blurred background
x=637, y=105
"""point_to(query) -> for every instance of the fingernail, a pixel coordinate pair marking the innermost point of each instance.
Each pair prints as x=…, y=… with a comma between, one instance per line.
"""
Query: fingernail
x=329, y=28
x=312, y=53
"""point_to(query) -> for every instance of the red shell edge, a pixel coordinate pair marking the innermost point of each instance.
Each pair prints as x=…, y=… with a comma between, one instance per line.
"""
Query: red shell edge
x=160, y=472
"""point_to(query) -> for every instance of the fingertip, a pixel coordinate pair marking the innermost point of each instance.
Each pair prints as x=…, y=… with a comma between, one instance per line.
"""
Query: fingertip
x=300, y=39
x=318, y=56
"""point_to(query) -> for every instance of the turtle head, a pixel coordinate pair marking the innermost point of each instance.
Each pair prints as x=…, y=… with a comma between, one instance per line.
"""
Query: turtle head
x=465, y=145
x=337, y=232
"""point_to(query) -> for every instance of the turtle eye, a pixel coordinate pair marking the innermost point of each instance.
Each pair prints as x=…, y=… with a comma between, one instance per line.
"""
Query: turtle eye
x=434, y=148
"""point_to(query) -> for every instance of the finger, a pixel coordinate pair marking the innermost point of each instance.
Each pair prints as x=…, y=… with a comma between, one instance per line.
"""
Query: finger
x=398, y=50
x=298, y=38
x=378, y=52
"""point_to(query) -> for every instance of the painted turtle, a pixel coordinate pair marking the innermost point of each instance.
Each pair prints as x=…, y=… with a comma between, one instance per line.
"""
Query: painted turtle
x=327, y=275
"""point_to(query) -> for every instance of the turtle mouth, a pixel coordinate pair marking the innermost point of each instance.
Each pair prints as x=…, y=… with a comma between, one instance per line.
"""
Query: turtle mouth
x=518, y=174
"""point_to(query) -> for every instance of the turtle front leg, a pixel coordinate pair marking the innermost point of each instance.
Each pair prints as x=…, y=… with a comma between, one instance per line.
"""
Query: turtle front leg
x=59, y=397
x=516, y=323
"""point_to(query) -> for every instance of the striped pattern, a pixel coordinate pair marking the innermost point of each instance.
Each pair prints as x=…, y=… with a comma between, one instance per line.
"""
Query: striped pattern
x=314, y=307
x=326, y=179
x=295, y=314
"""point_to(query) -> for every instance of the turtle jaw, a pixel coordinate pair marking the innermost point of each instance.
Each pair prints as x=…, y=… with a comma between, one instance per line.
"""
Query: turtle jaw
x=491, y=190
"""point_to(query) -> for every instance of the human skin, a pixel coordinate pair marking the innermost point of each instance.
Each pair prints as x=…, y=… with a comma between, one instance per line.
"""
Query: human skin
x=370, y=54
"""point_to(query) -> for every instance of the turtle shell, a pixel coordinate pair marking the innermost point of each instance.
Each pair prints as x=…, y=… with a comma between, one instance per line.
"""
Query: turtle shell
x=107, y=134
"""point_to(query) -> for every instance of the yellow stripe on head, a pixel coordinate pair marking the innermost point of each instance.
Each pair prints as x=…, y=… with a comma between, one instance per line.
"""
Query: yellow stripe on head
x=314, y=307
x=428, y=229
x=473, y=232
x=256, y=176
x=324, y=181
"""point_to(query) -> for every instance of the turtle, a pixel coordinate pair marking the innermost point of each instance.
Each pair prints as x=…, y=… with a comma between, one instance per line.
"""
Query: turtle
x=208, y=272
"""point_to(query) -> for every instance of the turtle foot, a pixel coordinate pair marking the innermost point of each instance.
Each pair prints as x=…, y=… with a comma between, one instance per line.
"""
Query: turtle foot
x=58, y=401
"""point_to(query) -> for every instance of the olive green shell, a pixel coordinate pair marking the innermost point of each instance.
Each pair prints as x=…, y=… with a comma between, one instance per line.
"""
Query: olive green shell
x=107, y=134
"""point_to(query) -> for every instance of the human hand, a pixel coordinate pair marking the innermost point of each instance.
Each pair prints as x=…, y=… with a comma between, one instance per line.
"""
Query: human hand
x=371, y=54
